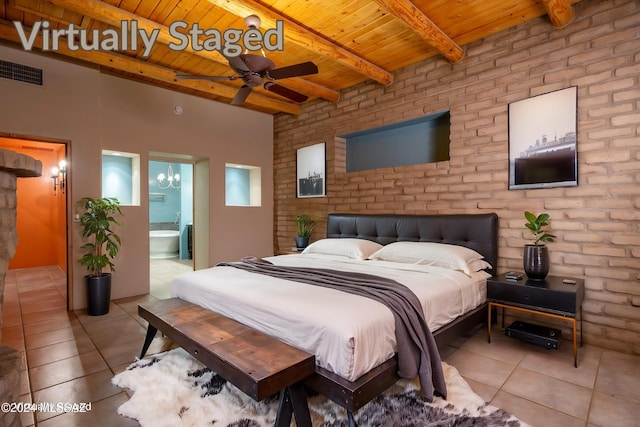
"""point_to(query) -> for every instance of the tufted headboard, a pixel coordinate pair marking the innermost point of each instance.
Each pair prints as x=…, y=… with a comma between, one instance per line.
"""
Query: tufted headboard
x=475, y=231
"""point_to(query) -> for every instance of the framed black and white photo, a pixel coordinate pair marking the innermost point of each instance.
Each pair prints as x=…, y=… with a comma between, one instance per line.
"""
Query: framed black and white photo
x=542, y=140
x=311, y=171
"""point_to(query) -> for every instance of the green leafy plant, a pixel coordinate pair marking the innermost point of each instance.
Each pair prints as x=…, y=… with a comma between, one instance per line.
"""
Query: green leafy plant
x=305, y=225
x=535, y=224
x=97, y=222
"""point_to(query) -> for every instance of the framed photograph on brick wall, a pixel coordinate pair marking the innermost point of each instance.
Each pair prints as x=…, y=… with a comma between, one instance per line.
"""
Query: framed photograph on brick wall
x=542, y=140
x=311, y=171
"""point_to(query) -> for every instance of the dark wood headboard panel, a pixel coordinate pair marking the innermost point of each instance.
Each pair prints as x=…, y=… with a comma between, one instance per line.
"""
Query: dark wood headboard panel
x=475, y=231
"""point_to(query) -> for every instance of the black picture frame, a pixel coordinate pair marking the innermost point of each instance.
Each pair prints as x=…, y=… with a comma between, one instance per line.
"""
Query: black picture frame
x=311, y=171
x=543, y=136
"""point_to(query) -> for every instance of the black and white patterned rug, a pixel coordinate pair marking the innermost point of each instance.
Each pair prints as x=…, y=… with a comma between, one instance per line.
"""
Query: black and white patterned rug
x=173, y=389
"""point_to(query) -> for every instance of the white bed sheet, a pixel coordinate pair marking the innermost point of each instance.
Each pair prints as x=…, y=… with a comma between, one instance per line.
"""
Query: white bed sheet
x=349, y=334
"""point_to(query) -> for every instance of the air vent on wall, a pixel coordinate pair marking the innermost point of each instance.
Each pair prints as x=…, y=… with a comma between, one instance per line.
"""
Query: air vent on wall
x=21, y=73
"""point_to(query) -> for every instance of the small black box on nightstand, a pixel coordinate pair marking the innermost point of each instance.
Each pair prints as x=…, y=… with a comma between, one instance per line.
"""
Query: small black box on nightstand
x=535, y=334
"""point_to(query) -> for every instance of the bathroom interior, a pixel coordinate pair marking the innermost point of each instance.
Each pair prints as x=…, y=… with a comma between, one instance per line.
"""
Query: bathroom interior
x=170, y=223
x=171, y=208
x=170, y=211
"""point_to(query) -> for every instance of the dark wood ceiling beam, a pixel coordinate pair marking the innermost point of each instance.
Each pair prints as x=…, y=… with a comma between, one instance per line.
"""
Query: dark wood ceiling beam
x=302, y=36
x=112, y=15
x=156, y=72
x=560, y=12
x=422, y=25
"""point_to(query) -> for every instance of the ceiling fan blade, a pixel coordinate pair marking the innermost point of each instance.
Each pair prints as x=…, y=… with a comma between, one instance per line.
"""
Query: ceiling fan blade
x=302, y=69
x=187, y=76
x=242, y=94
x=287, y=93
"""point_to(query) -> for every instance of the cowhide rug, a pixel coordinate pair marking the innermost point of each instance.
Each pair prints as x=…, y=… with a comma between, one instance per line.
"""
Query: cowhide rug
x=173, y=389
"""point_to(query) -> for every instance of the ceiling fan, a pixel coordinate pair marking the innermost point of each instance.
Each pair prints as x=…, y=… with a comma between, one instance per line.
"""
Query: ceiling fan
x=254, y=69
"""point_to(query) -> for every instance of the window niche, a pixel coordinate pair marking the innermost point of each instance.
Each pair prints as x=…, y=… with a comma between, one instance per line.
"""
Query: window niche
x=243, y=185
x=121, y=176
x=417, y=141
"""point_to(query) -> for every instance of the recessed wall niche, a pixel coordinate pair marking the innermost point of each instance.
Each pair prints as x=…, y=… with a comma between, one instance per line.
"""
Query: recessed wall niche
x=243, y=185
x=121, y=176
x=411, y=142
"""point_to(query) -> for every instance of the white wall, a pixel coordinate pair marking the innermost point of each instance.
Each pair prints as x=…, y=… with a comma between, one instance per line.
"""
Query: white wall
x=94, y=111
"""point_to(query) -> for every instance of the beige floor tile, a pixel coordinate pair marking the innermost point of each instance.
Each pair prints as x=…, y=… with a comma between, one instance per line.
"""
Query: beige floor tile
x=481, y=368
x=550, y=392
x=501, y=347
x=43, y=316
x=51, y=324
x=63, y=350
x=483, y=390
x=559, y=364
x=607, y=410
x=90, y=388
x=55, y=336
x=121, y=353
x=533, y=413
x=102, y=413
x=619, y=375
x=102, y=333
x=65, y=370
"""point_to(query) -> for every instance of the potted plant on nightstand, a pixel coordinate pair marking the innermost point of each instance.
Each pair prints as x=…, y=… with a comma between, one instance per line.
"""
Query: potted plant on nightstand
x=536, y=255
x=97, y=222
x=305, y=226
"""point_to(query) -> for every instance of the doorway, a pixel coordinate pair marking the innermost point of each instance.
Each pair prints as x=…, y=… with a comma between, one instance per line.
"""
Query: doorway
x=171, y=222
x=41, y=217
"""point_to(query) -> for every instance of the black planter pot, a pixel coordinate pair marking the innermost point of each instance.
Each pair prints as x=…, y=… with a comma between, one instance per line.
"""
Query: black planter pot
x=301, y=242
x=98, y=294
x=536, y=261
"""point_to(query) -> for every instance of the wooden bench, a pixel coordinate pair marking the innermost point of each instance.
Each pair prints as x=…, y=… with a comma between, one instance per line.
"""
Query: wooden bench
x=256, y=363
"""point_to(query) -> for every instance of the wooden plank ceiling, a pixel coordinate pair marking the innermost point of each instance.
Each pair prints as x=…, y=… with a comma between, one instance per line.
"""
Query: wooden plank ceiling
x=350, y=41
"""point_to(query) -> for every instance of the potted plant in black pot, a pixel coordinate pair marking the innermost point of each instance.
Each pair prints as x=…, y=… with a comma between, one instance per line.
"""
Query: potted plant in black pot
x=536, y=255
x=305, y=226
x=97, y=222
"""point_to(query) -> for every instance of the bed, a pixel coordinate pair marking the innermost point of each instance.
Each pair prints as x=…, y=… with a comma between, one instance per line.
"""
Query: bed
x=350, y=335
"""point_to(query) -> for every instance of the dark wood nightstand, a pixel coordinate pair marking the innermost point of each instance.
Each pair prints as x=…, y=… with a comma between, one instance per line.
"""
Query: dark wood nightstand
x=550, y=297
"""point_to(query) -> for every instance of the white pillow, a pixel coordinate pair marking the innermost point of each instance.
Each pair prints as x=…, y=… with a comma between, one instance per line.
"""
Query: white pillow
x=351, y=248
x=443, y=255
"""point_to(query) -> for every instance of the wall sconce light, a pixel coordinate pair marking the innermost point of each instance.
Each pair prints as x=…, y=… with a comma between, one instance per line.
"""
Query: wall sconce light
x=59, y=176
x=173, y=180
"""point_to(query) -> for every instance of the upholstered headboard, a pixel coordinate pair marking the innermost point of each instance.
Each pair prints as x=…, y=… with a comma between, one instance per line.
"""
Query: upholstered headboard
x=475, y=231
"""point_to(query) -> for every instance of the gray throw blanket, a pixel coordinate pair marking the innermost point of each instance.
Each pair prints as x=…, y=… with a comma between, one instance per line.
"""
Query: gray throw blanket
x=417, y=351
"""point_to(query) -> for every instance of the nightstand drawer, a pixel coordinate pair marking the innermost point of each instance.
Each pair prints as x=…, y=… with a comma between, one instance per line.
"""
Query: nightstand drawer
x=550, y=295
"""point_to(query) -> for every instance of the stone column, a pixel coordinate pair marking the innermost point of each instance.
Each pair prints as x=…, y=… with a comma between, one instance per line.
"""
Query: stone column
x=12, y=167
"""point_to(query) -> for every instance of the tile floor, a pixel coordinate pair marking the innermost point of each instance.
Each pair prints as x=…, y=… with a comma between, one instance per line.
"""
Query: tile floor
x=71, y=357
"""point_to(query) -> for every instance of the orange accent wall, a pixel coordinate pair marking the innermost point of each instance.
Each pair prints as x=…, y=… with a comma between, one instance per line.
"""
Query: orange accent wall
x=40, y=219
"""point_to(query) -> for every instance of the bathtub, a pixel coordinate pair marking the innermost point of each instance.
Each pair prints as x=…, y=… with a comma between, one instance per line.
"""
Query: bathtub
x=164, y=244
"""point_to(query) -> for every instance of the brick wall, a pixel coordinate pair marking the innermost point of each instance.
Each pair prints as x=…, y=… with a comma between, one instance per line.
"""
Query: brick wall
x=597, y=223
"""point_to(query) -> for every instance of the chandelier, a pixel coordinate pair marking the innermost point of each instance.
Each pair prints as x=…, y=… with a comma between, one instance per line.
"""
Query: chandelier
x=172, y=180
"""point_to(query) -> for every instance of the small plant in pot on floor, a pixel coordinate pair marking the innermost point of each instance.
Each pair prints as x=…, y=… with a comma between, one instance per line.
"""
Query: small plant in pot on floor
x=536, y=255
x=97, y=222
x=305, y=225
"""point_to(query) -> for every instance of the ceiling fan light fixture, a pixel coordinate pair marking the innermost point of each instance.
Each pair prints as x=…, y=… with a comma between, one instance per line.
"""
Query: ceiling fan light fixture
x=252, y=21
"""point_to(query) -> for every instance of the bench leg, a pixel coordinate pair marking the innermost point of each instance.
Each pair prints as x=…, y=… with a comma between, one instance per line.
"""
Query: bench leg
x=293, y=401
x=151, y=333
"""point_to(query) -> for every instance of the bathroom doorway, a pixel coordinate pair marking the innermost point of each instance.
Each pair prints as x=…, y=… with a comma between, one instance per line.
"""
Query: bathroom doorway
x=171, y=222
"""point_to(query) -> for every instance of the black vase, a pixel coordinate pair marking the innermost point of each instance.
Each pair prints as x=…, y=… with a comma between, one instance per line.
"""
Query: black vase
x=536, y=261
x=98, y=294
x=301, y=242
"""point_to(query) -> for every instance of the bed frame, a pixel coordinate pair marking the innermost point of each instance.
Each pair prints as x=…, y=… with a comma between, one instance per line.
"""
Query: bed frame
x=475, y=231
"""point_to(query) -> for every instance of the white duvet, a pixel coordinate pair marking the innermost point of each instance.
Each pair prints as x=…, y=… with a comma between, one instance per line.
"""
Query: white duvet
x=349, y=334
